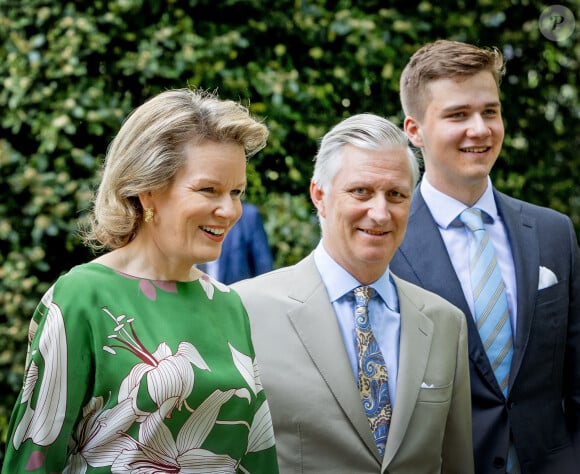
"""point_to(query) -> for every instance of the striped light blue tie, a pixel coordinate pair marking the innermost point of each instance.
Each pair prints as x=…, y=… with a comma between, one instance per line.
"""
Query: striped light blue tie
x=490, y=301
x=491, y=308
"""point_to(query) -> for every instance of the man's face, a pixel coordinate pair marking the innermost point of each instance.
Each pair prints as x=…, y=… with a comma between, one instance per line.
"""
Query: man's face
x=460, y=134
x=365, y=211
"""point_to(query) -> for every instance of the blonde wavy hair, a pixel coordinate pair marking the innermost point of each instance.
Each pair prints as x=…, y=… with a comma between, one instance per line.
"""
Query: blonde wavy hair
x=148, y=151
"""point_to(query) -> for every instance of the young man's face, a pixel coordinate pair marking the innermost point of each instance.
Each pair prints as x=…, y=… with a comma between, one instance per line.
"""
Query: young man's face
x=461, y=132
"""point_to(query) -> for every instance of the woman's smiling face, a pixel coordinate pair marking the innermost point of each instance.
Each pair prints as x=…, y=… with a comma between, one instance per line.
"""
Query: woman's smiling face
x=195, y=212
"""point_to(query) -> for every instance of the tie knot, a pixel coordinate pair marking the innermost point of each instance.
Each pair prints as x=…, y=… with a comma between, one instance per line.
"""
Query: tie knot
x=363, y=294
x=472, y=219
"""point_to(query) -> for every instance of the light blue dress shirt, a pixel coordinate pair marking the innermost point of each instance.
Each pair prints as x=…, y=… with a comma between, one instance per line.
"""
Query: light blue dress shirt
x=456, y=236
x=384, y=315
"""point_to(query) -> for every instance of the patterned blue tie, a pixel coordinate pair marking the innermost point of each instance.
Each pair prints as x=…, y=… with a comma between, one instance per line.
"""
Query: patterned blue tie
x=373, y=380
x=491, y=308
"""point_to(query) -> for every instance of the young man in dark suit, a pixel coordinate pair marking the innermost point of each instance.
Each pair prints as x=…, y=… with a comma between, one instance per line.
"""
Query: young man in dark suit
x=526, y=394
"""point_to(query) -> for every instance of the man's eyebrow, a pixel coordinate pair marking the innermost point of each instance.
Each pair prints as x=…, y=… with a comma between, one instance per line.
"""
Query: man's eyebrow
x=453, y=108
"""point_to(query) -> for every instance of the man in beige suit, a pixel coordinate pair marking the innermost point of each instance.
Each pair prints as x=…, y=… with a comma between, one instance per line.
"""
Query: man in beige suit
x=308, y=342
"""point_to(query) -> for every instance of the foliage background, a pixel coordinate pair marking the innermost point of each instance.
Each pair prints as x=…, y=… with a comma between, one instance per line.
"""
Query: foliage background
x=72, y=70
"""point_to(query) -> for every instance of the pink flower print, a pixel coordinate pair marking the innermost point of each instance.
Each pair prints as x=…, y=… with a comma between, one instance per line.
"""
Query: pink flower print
x=149, y=287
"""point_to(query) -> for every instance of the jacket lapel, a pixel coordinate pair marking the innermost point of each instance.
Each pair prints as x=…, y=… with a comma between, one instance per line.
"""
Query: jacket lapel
x=425, y=251
x=316, y=325
x=526, y=254
x=435, y=272
x=416, y=336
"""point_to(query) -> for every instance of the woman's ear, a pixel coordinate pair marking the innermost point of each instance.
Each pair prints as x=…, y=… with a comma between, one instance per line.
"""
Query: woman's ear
x=145, y=199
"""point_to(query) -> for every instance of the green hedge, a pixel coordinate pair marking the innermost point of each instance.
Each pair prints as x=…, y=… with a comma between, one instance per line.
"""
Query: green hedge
x=71, y=71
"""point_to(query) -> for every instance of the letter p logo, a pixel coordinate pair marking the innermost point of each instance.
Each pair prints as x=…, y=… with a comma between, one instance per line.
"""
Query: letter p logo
x=557, y=23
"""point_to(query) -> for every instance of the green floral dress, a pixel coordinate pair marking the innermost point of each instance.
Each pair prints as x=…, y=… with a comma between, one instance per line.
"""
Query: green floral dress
x=128, y=375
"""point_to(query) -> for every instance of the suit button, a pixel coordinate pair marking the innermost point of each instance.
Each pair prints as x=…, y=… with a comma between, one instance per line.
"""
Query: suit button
x=498, y=462
x=510, y=404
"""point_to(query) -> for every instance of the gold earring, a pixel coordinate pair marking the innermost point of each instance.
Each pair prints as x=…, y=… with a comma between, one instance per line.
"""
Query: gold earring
x=148, y=214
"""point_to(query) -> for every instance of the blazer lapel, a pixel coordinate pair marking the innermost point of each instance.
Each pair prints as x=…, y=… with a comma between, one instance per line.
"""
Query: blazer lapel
x=425, y=252
x=526, y=254
x=416, y=336
x=316, y=325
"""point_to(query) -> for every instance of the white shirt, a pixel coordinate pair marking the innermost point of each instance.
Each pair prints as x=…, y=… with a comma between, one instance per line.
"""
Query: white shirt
x=456, y=236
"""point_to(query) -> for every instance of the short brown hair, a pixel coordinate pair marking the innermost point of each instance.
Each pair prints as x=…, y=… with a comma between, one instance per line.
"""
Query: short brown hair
x=444, y=59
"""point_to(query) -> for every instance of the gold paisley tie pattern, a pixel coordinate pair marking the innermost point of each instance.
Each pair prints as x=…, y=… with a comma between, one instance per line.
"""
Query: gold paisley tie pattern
x=373, y=380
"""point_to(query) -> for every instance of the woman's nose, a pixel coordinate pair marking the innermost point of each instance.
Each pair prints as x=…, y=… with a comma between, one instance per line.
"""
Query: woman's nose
x=229, y=207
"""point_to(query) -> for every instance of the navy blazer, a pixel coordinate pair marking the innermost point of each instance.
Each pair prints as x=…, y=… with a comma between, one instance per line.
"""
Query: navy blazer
x=543, y=403
x=245, y=251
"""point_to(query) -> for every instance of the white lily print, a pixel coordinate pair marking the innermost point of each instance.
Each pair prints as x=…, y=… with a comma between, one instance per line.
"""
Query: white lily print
x=158, y=452
x=261, y=432
x=45, y=302
x=209, y=284
x=169, y=376
x=43, y=423
x=247, y=368
x=100, y=435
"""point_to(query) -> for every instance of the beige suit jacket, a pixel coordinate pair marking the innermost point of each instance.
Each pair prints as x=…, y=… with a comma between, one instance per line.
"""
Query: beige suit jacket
x=319, y=422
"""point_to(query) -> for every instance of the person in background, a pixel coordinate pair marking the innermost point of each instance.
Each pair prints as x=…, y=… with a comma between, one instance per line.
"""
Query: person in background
x=137, y=361
x=513, y=268
x=245, y=251
x=364, y=371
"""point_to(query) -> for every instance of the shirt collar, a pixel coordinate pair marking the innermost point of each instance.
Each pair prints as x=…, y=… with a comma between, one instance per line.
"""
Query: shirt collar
x=339, y=282
x=445, y=209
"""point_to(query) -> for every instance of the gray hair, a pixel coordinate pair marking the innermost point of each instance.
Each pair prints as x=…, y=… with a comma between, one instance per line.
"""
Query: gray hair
x=149, y=150
x=366, y=131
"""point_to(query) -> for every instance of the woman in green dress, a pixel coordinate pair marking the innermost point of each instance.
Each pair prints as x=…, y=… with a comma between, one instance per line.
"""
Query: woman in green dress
x=138, y=362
